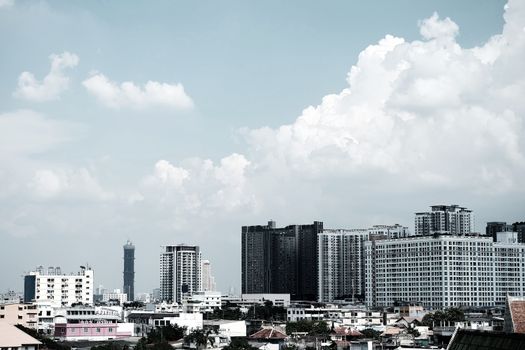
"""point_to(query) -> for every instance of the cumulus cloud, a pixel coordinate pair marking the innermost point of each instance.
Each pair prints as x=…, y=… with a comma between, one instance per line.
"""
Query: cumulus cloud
x=430, y=112
x=128, y=94
x=53, y=84
x=200, y=186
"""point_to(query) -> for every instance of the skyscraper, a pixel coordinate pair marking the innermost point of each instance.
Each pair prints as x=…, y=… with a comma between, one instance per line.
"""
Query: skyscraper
x=180, y=272
x=280, y=260
x=444, y=219
x=208, y=281
x=129, y=270
x=341, y=264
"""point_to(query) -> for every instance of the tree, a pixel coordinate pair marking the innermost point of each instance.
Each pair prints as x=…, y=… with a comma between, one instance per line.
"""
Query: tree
x=141, y=345
x=371, y=333
x=413, y=331
x=449, y=315
x=239, y=344
x=199, y=337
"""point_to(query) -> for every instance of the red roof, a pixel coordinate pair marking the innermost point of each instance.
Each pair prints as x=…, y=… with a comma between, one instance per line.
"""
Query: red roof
x=345, y=331
x=517, y=313
x=268, y=333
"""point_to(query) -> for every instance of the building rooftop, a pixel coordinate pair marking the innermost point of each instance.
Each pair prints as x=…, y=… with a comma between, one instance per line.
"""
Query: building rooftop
x=467, y=339
x=13, y=337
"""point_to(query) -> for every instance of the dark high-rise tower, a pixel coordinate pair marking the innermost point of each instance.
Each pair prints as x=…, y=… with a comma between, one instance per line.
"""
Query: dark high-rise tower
x=280, y=260
x=129, y=270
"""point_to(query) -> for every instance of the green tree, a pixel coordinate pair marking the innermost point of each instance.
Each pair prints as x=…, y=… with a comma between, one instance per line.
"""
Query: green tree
x=371, y=333
x=199, y=337
x=239, y=344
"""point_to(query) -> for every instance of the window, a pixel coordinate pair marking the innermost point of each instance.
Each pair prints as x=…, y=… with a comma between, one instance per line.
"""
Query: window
x=98, y=330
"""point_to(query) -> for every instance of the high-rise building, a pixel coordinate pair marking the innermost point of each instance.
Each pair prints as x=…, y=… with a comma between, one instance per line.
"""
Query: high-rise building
x=495, y=227
x=208, y=281
x=59, y=289
x=180, y=272
x=341, y=272
x=341, y=264
x=280, y=260
x=444, y=219
x=129, y=270
x=443, y=271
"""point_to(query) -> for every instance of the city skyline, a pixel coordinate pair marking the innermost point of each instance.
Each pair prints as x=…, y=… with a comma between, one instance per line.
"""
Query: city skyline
x=173, y=123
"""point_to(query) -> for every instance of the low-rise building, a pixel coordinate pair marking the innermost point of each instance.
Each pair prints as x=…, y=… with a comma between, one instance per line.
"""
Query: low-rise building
x=14, y=339
x=203, y=301
x=86, y=324
x=19, y=313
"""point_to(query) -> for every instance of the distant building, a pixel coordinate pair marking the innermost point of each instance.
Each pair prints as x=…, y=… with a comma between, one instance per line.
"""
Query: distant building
x=444, y=219
x=58, y=288
x=129, y=270
x=88, y=324
x=341, y=258
x=115, y=295
x=280, y=260
x=208, y=281
x=203, y=301
x=282, y=300
x=443, y=271
x=496, y=227
x=341, y=264
x=180, y=271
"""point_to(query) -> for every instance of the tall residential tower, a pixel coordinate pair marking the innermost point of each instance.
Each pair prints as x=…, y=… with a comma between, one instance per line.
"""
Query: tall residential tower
x=129, y=270
x=280, y=260
x=180, y=272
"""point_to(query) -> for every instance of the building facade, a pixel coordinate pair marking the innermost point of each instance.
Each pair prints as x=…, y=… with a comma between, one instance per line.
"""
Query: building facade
x=280, y=260
x=444, y=219
x=443, y=271
x=341, y=264
x=208, y=281
x=57, y=288
x=180, y=272
x=18, y=313
x=129, y=270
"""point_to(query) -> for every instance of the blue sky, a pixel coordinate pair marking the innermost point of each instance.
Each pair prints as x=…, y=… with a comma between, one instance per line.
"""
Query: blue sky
x=88, y=164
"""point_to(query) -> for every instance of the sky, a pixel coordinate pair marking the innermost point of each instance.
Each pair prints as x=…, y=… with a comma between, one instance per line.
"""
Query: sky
x=172, y=122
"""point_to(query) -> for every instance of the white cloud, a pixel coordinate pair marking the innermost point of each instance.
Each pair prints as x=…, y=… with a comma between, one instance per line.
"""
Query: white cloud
x=430, y=112
x=66, y=183
x=199, y=187
x=26, y=132
x=53, y=84
x=6, y=3
x=130, y=95
x=434, y=28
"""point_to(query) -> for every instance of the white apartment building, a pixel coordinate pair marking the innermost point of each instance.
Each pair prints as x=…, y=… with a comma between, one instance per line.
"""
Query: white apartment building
x=208, y=281
x=203, y=301
x=390, y=231
x=115, y=295
x=58, y=288
x=341, y=262
x=180, y=272
x=443, y=271
x=451, y=219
